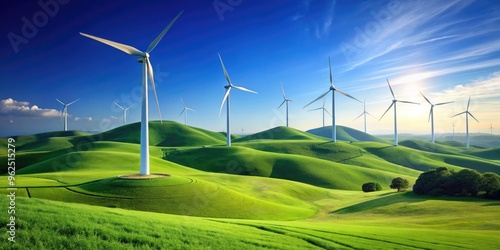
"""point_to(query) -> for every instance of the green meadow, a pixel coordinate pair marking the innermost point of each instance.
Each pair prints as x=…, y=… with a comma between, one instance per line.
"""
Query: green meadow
x=277, y=189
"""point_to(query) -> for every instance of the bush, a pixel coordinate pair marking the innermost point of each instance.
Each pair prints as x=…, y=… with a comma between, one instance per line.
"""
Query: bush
x=399, y=184
x=371, y=186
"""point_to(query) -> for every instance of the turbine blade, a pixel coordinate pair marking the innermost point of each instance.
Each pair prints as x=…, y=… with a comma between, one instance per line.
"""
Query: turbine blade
x=443, y=103
x=123, y=47
x=468, y=104
x=371, y=115
x=331, y=77
x=392, y=92
x=72, y=102
x=283, y=90
x=244, y=89
x=182, y=112
x=343, y=93
x=183, y=104
x=224, y=99
x=358, y=116
x=190, y=109
x=129, y=106
x=327, y=112
x=315, y=109
x=155, y=42
x=459, y=114
x=386, y=111
x=472, y=116
x=281, y=104
x=224, y=69
x=152, y=79
x=321, y=96
x=409, y=102
x=426, y=98
x=60, y=102
x=119, y=106
x=430, y=113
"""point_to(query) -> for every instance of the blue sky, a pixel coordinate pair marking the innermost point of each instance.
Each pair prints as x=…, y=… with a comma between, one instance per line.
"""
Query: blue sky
x=449, y=50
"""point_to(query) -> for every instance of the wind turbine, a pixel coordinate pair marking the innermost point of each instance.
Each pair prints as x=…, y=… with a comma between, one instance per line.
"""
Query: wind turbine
x=324, y=110
x=185, y=111
x=467, y=113
x=285, y=100
x=431, y=114
x=124, y=112
x=394, y=101
x=147, y=71
x=453, y=131
x=491, y=128
x=333, y=89
x=364, y=114
x=65, y=112
x=226, y=97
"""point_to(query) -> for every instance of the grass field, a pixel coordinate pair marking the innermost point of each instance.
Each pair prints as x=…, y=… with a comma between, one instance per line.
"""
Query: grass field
x=278, y=189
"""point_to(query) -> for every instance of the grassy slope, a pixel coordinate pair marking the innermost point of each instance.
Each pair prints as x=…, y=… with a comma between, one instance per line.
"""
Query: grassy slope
x=345, y=134
x=280, y=133
x=47, y=224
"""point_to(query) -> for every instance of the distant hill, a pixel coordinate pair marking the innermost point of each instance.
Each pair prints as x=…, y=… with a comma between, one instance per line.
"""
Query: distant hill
x=168, y=133
x=280, y=133
x=345, y=134
x=476, y=139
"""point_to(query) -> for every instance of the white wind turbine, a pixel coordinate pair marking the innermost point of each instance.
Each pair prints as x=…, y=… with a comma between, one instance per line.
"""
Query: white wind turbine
x=491, y=128
x=333, y=89
x=226, y=97
x=431, y=114
x=467, y=113
x=394, y=101
x=124, y=112
x=185, y=111
x=147, y=71
x=64, y=112
x=324, y=110
x=285, y=100
x=453, y=131
x=364, y=114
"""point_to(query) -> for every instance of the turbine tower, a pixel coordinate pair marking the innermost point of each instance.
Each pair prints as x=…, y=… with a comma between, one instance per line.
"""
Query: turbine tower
x=64, y=112
x=364, y=114
x=185, y=111
x=467, y=113
x=285, y=100
x=394, y=101
x=226, y=97
x=431, y=114
x=333, y=89
x=453, y=131
x=491, y=128
x=324, y=110
x=147, y=71
x=124, y=112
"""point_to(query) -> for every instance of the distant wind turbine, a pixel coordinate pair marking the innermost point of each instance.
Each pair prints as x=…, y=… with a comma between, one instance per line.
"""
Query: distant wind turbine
x=431, y=114
x=453, y=131
x=147, y=71
x=324, y=110
x=65, y=112
x=226, y=97
x=364, y=113
x=333, y=89
x=285, y=100
x=394, y=101
x=491, y=128
x=467, y=113
x=185, y=111
x=124, y=112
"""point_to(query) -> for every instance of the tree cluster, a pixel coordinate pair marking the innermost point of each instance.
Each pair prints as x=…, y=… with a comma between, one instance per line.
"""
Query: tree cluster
x=371, y=186
x=465, y=182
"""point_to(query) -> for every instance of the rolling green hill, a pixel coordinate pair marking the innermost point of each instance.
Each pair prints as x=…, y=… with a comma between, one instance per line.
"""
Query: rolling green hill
x=280, y=133
x=345, y=134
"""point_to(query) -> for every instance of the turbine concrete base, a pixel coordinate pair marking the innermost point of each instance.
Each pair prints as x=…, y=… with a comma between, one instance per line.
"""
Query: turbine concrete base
x=143, y=177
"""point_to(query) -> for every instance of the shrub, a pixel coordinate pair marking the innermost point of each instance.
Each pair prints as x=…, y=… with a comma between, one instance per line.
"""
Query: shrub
x=371, y=186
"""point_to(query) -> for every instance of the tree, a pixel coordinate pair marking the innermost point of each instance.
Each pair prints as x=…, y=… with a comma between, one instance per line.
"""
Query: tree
x=490, y=184
x=433, y=181
x=399, y=183
x=468, y=182
x=371, y=186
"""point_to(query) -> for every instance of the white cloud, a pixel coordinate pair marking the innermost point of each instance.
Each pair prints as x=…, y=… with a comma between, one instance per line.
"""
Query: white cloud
x=12, y=107
x=89, y=119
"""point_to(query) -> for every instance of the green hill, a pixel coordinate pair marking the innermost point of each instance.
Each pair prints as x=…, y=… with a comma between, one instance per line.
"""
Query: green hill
x=168, y=133
x=493, y=153
x=432, y=147
x=345, y=134
x=279, y=133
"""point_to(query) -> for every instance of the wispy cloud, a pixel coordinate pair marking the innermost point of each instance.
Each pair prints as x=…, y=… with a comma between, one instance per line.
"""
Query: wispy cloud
x=11, y=107
x=89, y=119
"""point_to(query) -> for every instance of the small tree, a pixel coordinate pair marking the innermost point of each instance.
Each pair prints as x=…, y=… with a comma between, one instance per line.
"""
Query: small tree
x=371, y=186
x=399, y=183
